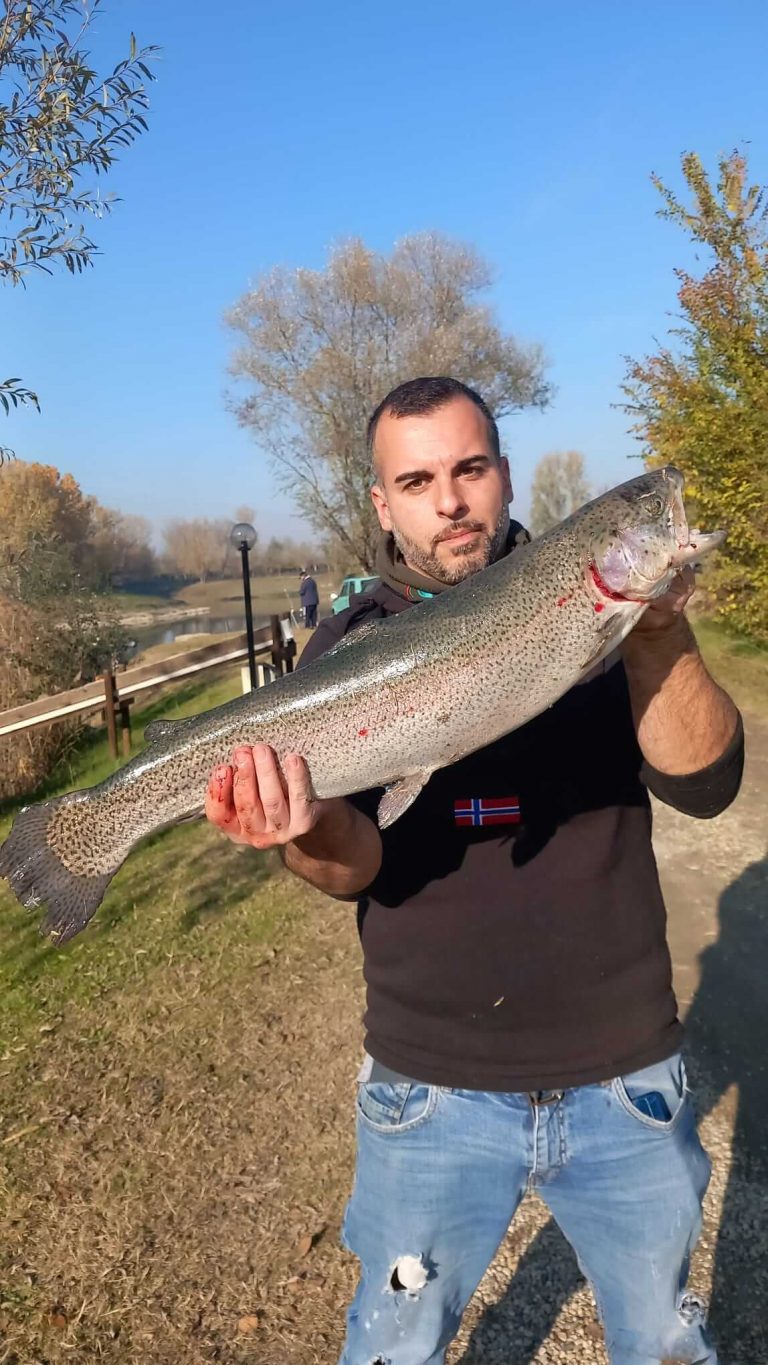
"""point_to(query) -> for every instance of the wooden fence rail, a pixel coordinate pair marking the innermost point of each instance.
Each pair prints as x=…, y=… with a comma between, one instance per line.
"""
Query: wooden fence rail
x=113, y=693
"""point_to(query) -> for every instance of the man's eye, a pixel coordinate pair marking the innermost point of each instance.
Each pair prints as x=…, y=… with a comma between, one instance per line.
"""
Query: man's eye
x=473, y=470
x=415, y=485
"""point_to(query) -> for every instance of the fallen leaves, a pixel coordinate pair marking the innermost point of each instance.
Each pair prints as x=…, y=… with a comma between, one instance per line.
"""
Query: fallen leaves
x=309, y=1241
x=249, y=1323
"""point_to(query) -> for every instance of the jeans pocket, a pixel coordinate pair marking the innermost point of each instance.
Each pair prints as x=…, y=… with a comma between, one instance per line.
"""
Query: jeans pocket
x=656, y=1095
x=393, y=1108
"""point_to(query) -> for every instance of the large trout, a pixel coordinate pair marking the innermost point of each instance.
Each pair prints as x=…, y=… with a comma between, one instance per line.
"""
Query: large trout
x=391, y=702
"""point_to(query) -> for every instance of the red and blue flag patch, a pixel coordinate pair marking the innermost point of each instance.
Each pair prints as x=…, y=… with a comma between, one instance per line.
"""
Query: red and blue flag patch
x=487, y=810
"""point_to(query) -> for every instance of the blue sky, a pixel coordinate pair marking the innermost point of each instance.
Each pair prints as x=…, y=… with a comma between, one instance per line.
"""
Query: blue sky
x=530, y=129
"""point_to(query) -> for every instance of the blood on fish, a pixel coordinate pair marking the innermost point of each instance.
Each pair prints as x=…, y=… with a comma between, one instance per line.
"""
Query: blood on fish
x=602, y=586
x=561, y=601
x=362, y=732
x=599, y=606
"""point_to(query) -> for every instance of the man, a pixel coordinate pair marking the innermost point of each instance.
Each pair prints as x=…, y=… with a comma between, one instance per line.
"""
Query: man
x=309, y=599
x=521, y=1026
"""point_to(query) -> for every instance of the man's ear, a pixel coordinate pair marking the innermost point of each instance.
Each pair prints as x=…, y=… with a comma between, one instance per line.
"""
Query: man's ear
x=379, y=499
x=507, y=478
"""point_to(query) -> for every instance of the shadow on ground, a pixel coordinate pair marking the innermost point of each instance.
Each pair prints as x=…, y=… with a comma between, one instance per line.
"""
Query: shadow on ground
x=727, y=1027
x=727, y=1037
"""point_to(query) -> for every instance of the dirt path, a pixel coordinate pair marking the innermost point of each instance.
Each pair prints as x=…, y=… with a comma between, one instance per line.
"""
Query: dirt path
x=715, y=878
x=179, y=1201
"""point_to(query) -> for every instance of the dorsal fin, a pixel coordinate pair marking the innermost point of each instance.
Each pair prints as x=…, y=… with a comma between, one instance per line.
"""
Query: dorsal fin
x=354, y=635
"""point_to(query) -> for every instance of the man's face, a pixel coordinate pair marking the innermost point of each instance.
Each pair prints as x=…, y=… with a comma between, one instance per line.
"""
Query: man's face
x=440, y=491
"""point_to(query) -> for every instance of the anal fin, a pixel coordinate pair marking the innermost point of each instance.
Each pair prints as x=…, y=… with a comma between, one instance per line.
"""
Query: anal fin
x=399, y=797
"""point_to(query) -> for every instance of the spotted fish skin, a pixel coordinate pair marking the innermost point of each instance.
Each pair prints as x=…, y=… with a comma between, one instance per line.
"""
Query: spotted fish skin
x=391, y=702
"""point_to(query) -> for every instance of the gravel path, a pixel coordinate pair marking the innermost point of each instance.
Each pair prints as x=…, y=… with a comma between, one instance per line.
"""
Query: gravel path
x=715, y=878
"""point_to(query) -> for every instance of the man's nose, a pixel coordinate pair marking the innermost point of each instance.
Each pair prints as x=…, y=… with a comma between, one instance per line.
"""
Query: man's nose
x=450, y=501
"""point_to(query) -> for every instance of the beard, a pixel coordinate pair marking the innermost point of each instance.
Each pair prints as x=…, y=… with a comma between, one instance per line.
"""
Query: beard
x=462, y=560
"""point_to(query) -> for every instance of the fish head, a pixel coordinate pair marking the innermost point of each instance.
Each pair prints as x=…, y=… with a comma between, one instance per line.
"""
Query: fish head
x=642, y=539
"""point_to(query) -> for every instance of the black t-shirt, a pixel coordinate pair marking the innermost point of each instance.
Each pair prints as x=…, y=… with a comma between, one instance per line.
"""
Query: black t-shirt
x=515, y=936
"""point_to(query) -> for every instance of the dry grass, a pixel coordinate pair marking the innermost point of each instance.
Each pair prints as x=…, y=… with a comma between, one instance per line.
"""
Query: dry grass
x=174, y=1162
x=171, y=1090
x=26, y=756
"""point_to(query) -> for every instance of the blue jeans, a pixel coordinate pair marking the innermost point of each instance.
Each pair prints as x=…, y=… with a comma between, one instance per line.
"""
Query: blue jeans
x=441, y=1172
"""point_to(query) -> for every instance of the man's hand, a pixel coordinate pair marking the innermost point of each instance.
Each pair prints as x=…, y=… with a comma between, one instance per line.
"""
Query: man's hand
x=254, y=802
x=327, y=843
x=666, y=610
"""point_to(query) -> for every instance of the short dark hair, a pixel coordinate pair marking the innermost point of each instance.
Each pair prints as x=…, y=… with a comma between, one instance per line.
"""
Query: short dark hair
x=417, y=397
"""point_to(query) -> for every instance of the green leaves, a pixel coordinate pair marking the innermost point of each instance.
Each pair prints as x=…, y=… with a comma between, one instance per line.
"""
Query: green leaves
x=705, y=408
x=60, y=120
x=11, y=395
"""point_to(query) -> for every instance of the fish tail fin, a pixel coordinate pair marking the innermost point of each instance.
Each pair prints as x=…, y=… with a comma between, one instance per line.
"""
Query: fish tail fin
x=37, y=875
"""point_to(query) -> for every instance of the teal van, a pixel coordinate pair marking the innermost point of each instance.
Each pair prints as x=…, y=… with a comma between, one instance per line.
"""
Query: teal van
x=349, y=588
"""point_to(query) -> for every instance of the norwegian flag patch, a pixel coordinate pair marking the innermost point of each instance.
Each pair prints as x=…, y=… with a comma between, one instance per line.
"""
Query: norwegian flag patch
x=487, y=810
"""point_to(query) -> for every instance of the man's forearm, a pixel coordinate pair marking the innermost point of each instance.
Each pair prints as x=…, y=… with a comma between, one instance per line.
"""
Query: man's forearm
x=340, y=855
x=684, y=720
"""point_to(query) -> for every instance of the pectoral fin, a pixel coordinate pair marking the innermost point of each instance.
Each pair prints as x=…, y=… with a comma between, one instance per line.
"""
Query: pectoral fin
x=399, y=797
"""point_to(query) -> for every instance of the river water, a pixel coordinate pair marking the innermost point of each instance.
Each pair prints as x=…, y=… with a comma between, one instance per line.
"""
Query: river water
x=165, y=632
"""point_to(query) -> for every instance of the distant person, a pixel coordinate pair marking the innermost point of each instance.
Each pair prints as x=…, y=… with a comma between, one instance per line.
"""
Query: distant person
x=309, y=600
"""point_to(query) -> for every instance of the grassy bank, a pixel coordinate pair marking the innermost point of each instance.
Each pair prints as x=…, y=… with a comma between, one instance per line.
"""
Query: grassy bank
x=37, y=982
x=143, y=1214
x=738, y=665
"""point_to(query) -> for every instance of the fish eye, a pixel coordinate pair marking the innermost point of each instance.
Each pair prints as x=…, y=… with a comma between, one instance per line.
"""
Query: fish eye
x=653, y=505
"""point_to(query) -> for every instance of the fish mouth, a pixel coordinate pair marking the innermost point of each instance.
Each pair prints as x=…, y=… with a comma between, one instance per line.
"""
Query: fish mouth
x=700, y=543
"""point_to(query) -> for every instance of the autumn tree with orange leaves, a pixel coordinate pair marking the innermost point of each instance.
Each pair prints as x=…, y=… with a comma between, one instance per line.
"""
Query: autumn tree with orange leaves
x=702, y=402
x=55, y=630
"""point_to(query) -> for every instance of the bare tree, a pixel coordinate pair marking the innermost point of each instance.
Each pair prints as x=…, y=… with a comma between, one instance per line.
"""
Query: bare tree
x=559, y=486
x=283, y=555
x=54, y=630
x=120, y=546
x=198, y=547
x=320, y=348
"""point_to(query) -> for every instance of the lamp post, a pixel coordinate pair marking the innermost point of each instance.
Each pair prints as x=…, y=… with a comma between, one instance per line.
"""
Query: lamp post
x=243, y=537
